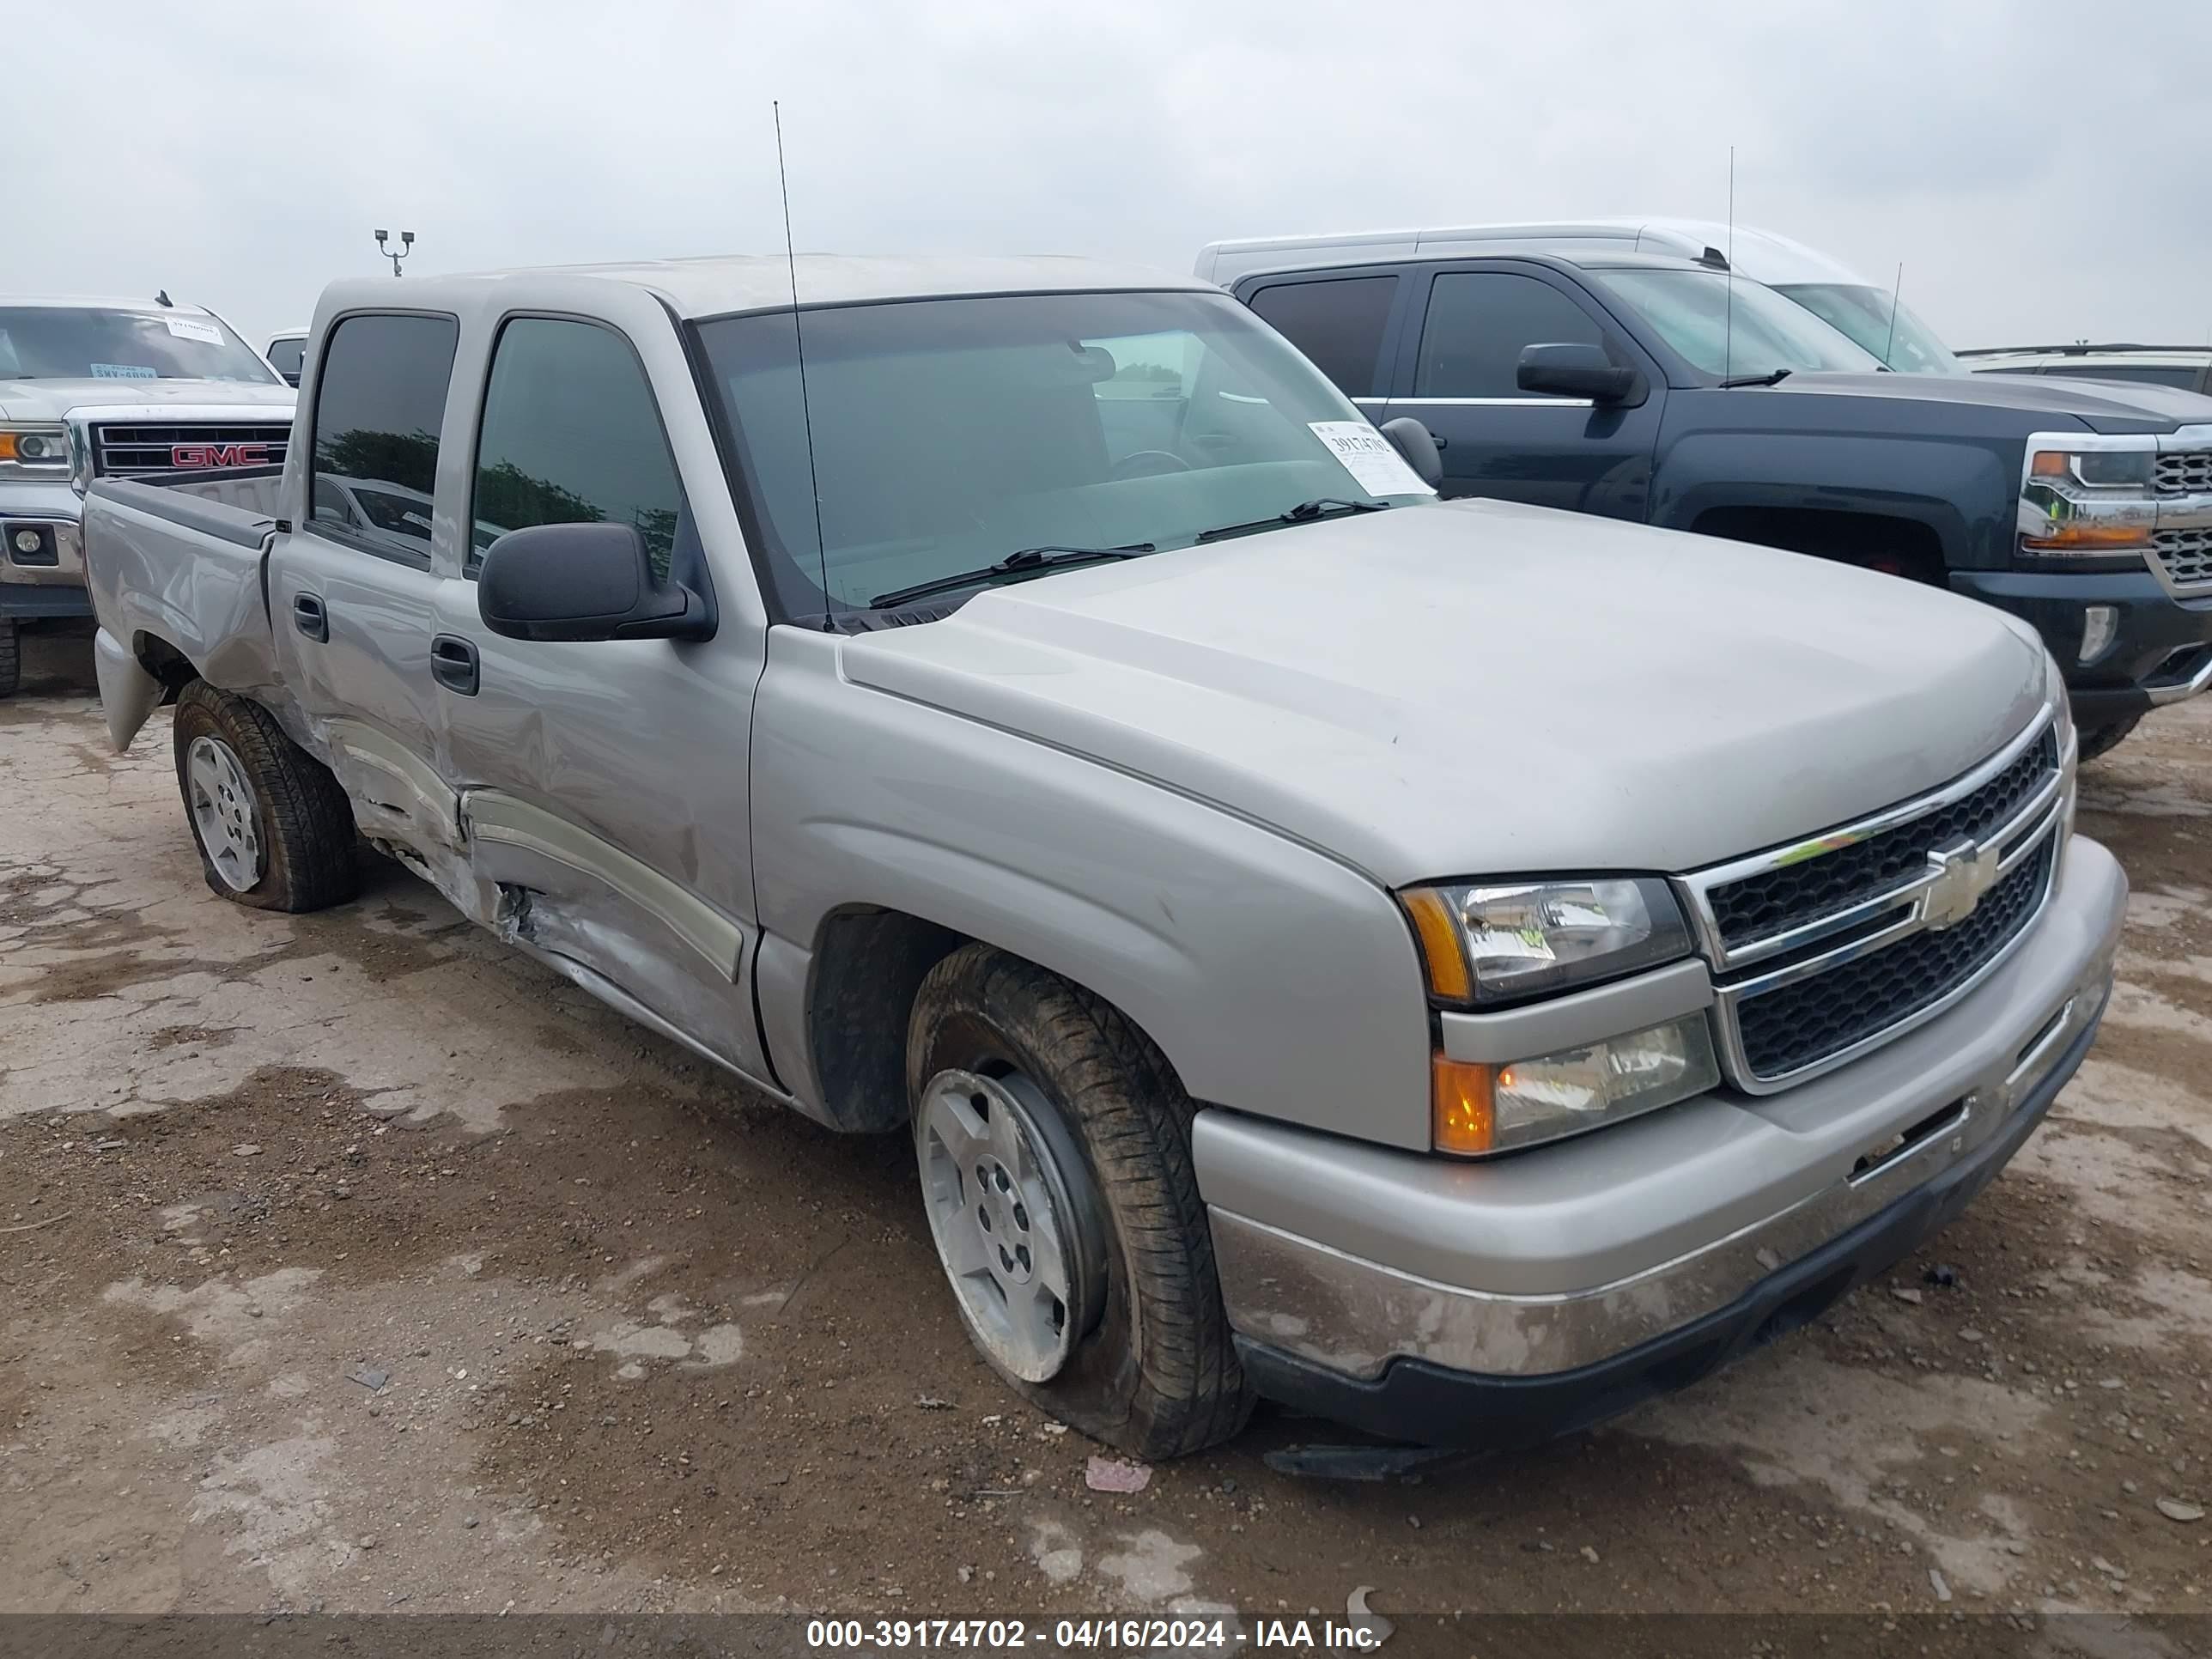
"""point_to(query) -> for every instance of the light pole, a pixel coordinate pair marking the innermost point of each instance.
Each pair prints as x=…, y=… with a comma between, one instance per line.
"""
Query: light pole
x=406, y=247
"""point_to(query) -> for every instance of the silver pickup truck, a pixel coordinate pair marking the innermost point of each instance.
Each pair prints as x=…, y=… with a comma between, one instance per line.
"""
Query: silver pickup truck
x=111, y=389
x=1458, y=968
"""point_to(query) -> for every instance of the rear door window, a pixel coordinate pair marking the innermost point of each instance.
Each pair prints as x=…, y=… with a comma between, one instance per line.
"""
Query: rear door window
x=1338, y=323
x=1479, y=323
x=379, y=405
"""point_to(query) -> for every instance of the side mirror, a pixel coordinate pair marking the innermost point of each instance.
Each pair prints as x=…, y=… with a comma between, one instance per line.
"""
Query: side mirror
x=1574, y=370
x=1419, y=445
x=583, y=582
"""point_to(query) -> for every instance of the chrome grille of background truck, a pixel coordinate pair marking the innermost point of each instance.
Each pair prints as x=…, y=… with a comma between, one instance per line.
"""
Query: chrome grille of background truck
x=140, y=449
x=2185, y=556
x=2184, y=473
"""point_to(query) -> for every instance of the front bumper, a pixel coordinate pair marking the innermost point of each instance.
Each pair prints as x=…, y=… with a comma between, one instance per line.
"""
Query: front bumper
x=2161, y=649
x=41, y=589
x=1501, y=1302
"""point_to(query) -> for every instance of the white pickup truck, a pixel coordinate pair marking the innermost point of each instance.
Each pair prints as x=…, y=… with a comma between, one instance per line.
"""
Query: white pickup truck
x=1461, y=968
x=111, y=389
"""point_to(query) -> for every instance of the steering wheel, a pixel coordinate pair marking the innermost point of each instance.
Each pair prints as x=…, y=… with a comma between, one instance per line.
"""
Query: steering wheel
x=1149, y=464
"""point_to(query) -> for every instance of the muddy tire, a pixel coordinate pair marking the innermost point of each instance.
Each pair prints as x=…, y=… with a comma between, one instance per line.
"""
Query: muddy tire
x=1045, y=1121
x=2103, y=739
x=272, y=826
x=11, y=658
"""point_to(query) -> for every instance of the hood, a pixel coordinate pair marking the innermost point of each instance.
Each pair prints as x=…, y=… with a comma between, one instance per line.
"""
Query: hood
x=2099, y=407
x=50, y=400
x=1484, y=688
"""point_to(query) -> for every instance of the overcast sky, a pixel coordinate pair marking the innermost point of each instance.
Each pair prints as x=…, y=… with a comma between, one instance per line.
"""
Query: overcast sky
x=2038, y=168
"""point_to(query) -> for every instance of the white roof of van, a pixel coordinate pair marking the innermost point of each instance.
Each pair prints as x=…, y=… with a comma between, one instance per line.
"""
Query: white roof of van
x=1761, y=255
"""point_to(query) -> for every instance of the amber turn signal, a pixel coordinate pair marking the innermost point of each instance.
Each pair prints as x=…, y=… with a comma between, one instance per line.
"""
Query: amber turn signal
x=2090, y=536
x=1465, y=1118
x=1437, y=930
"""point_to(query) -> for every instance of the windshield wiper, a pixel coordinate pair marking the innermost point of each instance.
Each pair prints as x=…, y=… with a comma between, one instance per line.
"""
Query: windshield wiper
x=1304, y=513
x=1773, y=378
x=1022, y=558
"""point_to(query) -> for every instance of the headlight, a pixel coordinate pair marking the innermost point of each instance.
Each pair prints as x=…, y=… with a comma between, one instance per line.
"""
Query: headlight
x=1483, y=946
x=2087, y=497
x=1495, y=1108
x=2099, y=468
x=34, y=446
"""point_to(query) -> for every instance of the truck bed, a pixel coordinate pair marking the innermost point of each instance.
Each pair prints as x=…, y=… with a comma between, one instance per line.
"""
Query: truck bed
x=183, y=561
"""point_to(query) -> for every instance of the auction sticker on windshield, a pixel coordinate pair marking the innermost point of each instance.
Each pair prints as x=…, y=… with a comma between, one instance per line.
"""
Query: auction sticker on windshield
x=1374, y=463
x=190, y=328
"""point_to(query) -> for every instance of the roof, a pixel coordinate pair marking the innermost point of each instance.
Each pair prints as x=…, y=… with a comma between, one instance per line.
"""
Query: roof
x=1610, y=259
x=2075, y=354
x=145, y=302
x=712, y=286
x=1762, y=255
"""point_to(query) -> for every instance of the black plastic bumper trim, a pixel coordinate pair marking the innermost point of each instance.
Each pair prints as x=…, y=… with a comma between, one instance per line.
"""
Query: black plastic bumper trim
x=24, y=600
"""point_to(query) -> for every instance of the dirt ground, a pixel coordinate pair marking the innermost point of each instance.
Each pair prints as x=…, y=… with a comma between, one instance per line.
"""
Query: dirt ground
x=352, y=1262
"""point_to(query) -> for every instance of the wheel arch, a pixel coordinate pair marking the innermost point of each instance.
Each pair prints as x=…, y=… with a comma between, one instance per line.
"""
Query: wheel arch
x=1962, y=490
x=168, y=664
x=1900, y=544
x=866, y=970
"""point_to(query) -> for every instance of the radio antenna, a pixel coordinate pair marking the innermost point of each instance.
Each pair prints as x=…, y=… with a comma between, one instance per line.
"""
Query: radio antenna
x=798, y=340
x=1727, y=325
x=1896, y=293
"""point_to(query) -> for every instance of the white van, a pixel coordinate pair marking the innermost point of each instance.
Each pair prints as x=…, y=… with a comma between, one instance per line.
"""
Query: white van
x=1865, y=311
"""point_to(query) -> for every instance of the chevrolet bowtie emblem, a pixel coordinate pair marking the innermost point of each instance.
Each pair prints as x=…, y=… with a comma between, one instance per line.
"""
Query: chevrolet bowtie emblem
x=1964, y=872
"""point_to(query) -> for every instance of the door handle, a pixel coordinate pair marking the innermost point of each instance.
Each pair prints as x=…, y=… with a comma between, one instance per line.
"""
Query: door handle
x=310, y=618
x=454, y=664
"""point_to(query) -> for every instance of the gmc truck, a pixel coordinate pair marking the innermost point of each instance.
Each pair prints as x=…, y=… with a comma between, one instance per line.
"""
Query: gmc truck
x=111, y=389
x=1458, y=967
x=1675, y=391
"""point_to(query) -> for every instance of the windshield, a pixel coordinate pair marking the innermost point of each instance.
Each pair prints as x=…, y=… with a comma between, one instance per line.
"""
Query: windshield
x=949, y=433
x=1864, y=314
x=1691, y=310
x=63, y=343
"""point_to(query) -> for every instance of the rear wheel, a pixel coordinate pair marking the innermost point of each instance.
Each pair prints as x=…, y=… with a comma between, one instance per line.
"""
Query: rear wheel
x=273, y=827
x=2103, y=739
x=1054, y=1149
x=11, y=661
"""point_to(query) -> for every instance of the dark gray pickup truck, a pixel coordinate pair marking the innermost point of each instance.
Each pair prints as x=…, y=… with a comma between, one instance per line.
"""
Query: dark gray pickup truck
x=1661, y=390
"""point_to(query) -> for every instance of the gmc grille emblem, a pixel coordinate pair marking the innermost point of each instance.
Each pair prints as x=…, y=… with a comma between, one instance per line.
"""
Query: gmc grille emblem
x=1963, y=872
x=218, y=455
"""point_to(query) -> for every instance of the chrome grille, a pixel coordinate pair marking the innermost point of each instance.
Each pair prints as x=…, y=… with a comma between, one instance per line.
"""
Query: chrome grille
x=1801, y=1022
x=138, y=450
x=2185, y=472
x=2184, y=557
x=1803, y=892
x=1824, y=949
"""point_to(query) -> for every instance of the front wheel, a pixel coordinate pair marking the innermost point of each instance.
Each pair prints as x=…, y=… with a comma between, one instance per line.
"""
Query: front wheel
x=2103, y=739
x=11, y=660
x=1054, y=1149
x=273, y=827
